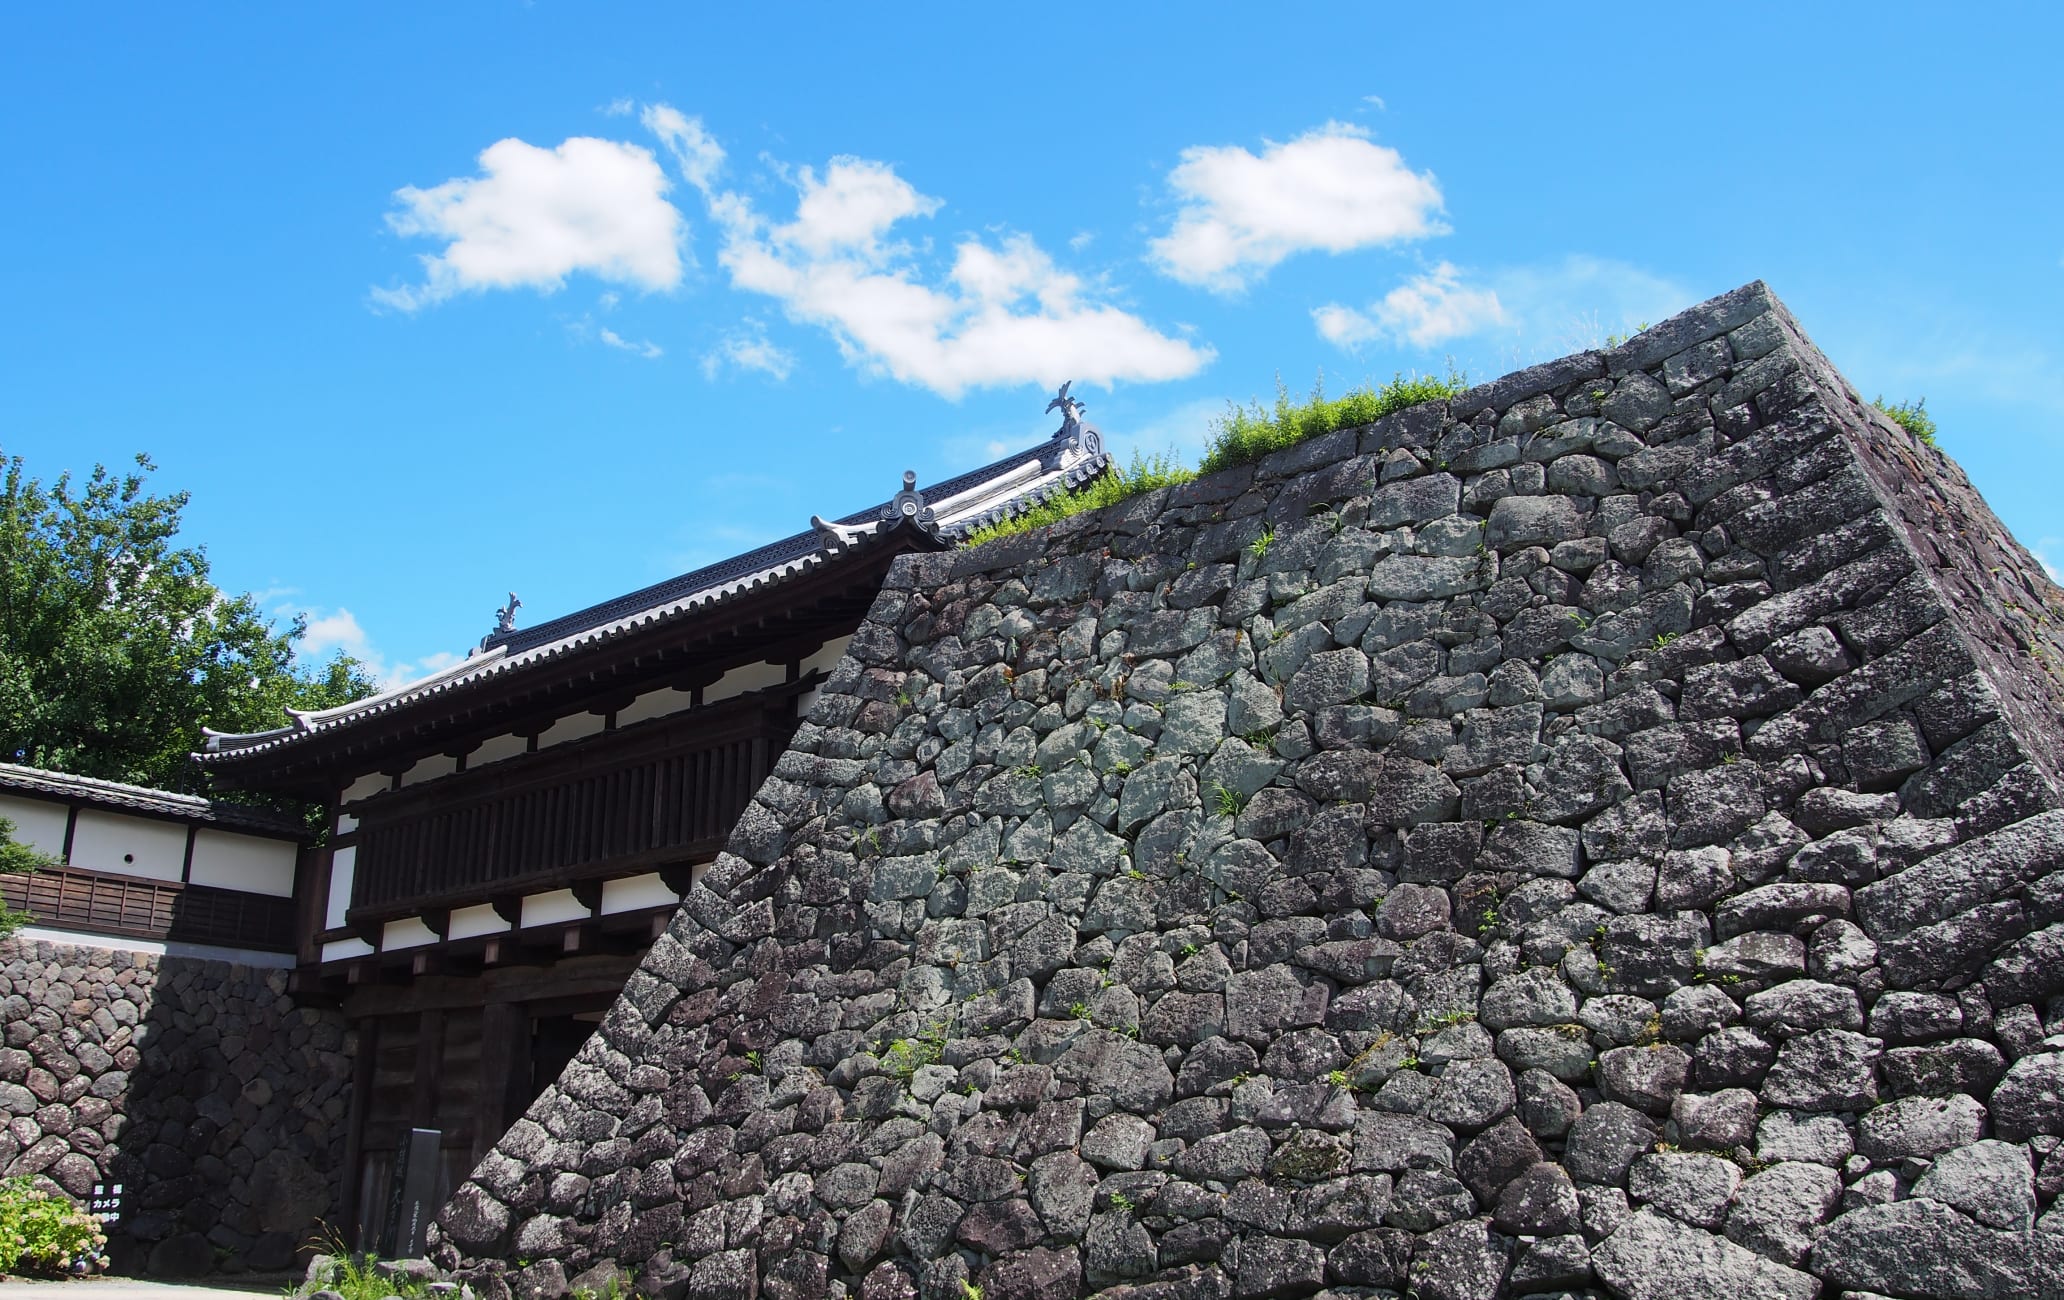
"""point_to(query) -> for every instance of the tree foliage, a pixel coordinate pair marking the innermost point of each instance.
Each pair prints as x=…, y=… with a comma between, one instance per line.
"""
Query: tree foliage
x=17, y=859
x=115, y=646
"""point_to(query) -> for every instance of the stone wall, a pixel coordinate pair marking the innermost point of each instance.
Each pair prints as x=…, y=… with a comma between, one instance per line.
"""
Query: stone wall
x=217, y=1103
x=1596, y=835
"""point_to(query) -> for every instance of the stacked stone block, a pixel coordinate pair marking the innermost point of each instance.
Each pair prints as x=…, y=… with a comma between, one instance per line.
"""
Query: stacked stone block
x=199, y=1086
x=1598, y=835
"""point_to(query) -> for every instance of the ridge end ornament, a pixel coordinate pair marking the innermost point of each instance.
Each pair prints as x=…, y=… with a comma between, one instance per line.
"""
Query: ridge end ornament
x=1084, y=438
x=505, y=621
x=908, y=504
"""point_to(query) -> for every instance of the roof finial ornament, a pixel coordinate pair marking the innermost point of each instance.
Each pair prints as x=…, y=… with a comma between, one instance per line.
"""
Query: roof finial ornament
x=505, y=623
x=1073, y=432
x=908, y=504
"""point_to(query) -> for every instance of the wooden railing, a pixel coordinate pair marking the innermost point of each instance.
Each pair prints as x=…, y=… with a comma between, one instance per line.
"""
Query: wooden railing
x=605, y=806
x=136, y=907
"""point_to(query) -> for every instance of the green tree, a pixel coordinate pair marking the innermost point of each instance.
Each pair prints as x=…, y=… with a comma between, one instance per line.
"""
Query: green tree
x=115, y=647
x=17, y=859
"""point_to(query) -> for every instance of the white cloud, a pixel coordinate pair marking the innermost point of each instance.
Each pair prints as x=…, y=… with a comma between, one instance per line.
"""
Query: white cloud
x=339, y=630
x=1330, y=190
x=749, y=349
x=584, y=329
x=1548, y=309
x=1376, y=100
x=621, y=106
x=1081, y=239
x=2046, y=548
x=1575, y=303
x=535, y=216
x=1001, y=314
x=1184, y=430
x=645, y=348
x=1424, y=311
x=698, y=156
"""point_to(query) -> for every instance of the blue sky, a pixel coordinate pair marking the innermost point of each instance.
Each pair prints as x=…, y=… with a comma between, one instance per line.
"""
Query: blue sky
x=425, y=303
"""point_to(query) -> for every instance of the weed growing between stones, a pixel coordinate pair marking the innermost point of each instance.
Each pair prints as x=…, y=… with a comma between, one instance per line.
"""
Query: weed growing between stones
x=1144, y=474
x=1911, y=416
x=1245, y=435
x=340, y=1271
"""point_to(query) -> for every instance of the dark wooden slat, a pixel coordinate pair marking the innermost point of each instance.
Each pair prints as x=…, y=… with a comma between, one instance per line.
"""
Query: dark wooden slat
x=572, y=813
x=139, y=907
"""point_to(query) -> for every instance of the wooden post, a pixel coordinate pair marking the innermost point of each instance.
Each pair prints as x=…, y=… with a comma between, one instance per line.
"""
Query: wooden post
x=429, y=1060
x=354, y=1131
x=504, y=1073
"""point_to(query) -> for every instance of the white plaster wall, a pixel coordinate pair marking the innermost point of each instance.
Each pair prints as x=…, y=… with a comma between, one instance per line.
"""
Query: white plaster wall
x=827, y=655
x=636, y=893
x=472, y=922
x=346, y=948
x=571, y=727
x=343, y=864
x=654, y=704
x=495, y=749
x=746, y=677
x=429, y=769
x=133, y=846
x=248, y=862
x=366, y=787
x=410, y=932
x=547, y=909
x=39, y=825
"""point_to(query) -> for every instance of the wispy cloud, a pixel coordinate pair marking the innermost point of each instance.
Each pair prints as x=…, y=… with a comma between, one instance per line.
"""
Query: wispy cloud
x=645, y=348
x=695, y=152
x=1547, y=309
x=1003, y=313
x=338, y=630
x=584, y=329
x=1424, y=311
x=1184, y=430
x=533, y=217
x=2049, y=552
x=1329, y=190
x=749, y=349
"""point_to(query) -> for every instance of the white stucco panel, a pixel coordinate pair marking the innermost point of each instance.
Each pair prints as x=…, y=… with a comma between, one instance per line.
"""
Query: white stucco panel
x=344, y=948
x=343, y=864
x=744, y=678
x=247, y=862
x=636, y=893
x=410, y=932
x=472, y=922
x=39, y=825
x=549, y=909
x=132, y=846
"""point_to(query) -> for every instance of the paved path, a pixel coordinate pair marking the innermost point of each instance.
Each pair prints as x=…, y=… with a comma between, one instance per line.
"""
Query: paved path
x=242, y=1287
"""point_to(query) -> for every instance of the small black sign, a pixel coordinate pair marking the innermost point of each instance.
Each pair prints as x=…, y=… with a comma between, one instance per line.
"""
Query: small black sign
x=413, y=1200
x=106, y=1202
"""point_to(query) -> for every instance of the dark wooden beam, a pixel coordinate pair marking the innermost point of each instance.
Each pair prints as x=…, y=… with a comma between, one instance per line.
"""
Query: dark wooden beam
x=601, y=975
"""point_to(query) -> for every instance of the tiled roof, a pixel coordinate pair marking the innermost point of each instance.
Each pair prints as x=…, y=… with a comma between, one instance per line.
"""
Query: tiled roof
x=955, y=507
x=141, y=798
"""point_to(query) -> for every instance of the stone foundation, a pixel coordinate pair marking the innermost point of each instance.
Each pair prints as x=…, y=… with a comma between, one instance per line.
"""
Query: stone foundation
x=198, y=1085
x=1596, y=835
